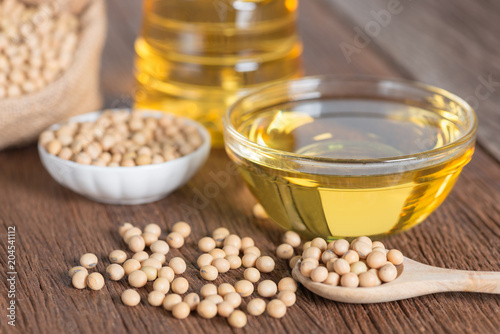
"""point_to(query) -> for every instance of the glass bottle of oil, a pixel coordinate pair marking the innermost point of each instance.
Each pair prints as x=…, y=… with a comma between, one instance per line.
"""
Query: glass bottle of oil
x=196, y=57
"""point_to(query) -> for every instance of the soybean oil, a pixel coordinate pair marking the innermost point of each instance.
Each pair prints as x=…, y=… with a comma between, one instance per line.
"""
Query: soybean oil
x=196, y=57
x=348, y=203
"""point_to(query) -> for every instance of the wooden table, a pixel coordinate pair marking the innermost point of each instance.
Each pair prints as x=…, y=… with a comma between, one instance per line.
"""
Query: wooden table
x=450, y=44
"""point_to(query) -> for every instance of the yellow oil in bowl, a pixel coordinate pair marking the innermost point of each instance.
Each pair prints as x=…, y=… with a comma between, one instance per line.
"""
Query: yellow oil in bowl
x=350, y=162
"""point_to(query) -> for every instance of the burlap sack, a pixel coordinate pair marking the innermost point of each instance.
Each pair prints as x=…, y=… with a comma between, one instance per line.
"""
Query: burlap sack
x=75, y=92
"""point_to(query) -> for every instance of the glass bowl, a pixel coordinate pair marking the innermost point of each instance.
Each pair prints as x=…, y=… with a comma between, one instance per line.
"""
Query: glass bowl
x=341, y=157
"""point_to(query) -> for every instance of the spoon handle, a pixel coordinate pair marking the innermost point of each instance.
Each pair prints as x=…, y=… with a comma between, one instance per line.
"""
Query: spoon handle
x=471, y=281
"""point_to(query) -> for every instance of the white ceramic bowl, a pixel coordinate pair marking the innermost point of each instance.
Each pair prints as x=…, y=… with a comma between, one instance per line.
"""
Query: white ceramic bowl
x=126, y=185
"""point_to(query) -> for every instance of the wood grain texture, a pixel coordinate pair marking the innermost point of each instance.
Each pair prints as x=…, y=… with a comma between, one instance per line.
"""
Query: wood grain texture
x=55, y=226
x=452, y=45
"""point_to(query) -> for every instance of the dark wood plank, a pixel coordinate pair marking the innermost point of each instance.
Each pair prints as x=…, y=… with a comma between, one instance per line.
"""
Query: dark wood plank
x=55, y=226
x=453, y=45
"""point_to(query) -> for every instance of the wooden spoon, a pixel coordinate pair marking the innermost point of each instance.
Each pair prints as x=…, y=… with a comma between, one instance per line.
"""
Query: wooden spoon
x=414, y=279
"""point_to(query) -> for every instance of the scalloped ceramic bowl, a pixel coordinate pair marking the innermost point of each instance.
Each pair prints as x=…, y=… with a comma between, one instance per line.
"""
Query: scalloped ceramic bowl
x=126, y=185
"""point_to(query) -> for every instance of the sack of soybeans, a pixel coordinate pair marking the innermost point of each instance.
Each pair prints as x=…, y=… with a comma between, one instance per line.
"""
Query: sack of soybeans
x=50, y=53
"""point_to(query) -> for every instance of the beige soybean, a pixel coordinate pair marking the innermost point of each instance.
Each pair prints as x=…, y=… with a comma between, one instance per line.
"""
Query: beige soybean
x=88, y=260
x=293, y=261
x=332, y=279
x=207, y=309
x=222, y=265
x=140, y=256
x=306, y=267
x=252, y=275
x=252, y=250
x=156, y=298
x=181, y=310
x=178, y=265
x=276, y=308
x=292, y=238
x=216, y=299
x=368, y=279
x=149, y=238
x=180, y=285
x=161, y=284
x=224, y=289
x=160, y=246
x=319, y=243
x=225, y=309
x=395, y=257
x=182, y=228
x=175, y=240
x=79, y=279
x=233, y=298
x=166, y=272
x=267, y=288
x=256, y=306
x=158, y=256
x=204, y=260
x=329, y=264
x=233, y=240
x=259, y=212
x=349, y=280
x=138, y=278
x=247, y=242
x=388, y=273
x=312, y=252
x=376, y=260
x=76, y=269
x=131, y=265
x=124, y=227
x=358, y=268
x=364, y=239
x=136, y=243
x=154, y=229
x=151, y=262
x=219, y=235
x=171, y=300
x=237, y=319
x=192, y=299
x=117, y=256
x=340, y=247
x=130, y=297
x=115, y=272
x=265, y=264
x=341, y=267
x=284, y=251
x=206, y=244
x=287, y=283
x=249, y=260
x=351, y=256
x=130, y=233
x=287, y=297
x=362, y=248
x=234, y=261
x=151, y=273
x=327, y=256
x=244, y=287
x=231, y=250
x=319, y=274
x=209, y=272
x=378, y=280
x=208, y=290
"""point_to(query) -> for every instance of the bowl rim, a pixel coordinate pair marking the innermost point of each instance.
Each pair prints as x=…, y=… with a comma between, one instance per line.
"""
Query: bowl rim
x=467, y=136
x=151, y=112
